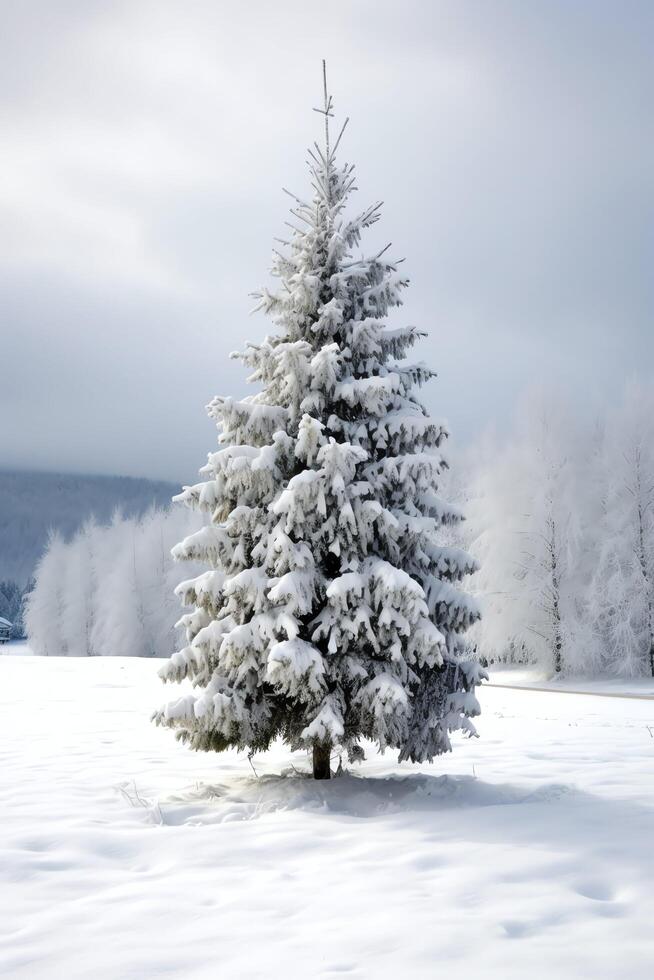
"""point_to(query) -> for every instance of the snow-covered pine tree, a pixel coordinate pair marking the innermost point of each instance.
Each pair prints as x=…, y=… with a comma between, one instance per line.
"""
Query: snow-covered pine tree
x=329, y=613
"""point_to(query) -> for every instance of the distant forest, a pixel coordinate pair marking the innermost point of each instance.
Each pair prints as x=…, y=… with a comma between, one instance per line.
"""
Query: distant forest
x=32, y=504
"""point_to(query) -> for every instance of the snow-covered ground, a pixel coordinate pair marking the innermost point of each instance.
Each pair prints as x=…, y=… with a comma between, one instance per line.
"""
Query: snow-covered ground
x=526, y=853
x=15, y=648
x=509, y=675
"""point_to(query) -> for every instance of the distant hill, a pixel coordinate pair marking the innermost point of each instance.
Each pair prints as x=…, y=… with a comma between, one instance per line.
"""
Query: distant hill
x=32, y=503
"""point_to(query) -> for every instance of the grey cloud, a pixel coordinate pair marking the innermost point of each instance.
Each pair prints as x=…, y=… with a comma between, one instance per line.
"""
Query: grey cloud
x=144, y=146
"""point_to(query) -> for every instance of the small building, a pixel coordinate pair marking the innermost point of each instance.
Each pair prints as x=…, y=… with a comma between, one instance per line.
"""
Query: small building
x=5, y=630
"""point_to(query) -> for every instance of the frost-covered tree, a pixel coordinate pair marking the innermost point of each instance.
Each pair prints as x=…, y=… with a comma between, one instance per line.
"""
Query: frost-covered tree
x=108, y=591
x=329, y=612
x=44, y=606
x=79, y=586
x=524, y=525
x=621, y=594
x=561, y=514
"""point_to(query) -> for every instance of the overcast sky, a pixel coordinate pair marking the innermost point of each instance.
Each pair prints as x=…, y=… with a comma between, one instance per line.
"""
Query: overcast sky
x=143, y=148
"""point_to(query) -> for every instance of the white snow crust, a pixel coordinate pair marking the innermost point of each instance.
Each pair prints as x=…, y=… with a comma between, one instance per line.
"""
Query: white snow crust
x=526, y=853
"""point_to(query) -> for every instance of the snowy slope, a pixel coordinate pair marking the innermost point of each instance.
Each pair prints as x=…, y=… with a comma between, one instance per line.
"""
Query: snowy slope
x=524, y=853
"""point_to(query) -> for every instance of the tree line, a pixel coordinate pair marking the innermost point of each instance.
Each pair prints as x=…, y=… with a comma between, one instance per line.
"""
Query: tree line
x=109, y=590
x=560, y=515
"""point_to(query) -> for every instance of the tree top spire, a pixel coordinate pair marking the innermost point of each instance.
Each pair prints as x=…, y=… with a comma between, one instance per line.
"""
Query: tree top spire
x=328, y=105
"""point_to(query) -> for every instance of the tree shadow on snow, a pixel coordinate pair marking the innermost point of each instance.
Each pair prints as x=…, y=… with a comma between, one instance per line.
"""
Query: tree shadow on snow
x=348, y=795
x=550, y=818
x=412, y=795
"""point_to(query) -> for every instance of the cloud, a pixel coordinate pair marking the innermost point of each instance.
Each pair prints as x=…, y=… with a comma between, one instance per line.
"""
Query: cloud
x=144, y=146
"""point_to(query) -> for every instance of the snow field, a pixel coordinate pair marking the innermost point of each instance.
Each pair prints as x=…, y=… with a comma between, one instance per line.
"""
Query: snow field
x=526, y=852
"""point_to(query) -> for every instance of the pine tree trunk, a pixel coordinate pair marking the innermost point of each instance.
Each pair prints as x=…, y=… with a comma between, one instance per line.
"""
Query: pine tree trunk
x=321, y=755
